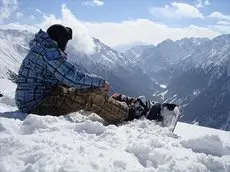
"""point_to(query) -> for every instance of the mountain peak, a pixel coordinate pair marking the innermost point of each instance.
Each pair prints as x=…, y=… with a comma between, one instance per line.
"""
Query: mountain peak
x=167, y=41
x=225, y=38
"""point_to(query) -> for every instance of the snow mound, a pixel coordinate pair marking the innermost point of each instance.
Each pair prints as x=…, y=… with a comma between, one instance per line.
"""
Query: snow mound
x=209, y=144
x=46, y=143
x=7, y=88
x=82, y=142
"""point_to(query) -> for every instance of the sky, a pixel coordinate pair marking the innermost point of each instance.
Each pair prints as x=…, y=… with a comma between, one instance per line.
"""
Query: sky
x=120, y=22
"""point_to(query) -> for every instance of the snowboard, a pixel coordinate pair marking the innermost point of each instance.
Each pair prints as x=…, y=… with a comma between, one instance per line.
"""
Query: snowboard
x=165, y=114
x=170, y=116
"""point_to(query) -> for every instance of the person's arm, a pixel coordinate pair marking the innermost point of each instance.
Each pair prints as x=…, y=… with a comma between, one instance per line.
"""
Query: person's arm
x=68, y=74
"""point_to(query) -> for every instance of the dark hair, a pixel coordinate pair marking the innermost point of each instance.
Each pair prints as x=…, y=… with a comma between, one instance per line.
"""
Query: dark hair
x=60, y=34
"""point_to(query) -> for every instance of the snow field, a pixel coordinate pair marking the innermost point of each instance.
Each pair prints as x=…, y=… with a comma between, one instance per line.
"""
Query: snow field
x=75, y=143
x=83, y=142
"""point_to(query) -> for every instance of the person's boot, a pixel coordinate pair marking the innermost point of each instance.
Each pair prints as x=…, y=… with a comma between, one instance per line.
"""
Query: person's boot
x=170, y=106
x=155, y=112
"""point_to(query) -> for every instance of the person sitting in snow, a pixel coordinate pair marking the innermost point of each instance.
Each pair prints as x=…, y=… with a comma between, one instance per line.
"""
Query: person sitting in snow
x=48, y=84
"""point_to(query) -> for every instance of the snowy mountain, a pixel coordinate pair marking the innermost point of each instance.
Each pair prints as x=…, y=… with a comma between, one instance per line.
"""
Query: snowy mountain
x=81, y=142
x=122, y=73
x=152, y=59
x=212, y=105
x=196, y=72
x=200, y=80
x=135, y=52
x=12, y=50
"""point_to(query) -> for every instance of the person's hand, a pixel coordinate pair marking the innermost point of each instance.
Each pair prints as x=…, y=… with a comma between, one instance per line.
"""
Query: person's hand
x=117, y=96
x=106, y=87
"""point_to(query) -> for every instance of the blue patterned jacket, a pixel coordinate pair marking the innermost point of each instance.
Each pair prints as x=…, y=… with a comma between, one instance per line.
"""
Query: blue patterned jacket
x=44, y=68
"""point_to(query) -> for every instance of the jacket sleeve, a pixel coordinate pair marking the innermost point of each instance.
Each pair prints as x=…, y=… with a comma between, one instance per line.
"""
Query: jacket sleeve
x=68, y=74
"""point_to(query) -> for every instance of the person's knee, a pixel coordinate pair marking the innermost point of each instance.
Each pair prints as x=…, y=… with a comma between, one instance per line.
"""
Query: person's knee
x=119, y=105
x=98, y=98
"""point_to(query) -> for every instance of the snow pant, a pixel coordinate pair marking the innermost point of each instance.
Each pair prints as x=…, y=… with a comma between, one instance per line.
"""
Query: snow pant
x=64, y=100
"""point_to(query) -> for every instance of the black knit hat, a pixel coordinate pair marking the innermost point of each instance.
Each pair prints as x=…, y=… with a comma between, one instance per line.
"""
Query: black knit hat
x=60, y=34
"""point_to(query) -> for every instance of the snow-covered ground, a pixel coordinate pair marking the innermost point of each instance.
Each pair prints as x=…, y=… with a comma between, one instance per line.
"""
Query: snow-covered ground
x=82, y=142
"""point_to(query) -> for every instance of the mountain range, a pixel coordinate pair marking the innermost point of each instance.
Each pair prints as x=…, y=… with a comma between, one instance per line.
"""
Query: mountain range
x=193, y=72
x=196, y=72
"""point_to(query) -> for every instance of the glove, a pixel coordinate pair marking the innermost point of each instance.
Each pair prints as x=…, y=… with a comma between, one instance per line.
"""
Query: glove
x=117, y=96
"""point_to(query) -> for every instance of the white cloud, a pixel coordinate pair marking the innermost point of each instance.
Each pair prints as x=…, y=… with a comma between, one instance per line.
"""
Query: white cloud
x=222, y=26
x=225, y=29
x=223, y=23
x=7, y=7
x=143, y=30
x=32, y=17
x=39, y=11
x=202, y=3
x=93, y=3
x=219, y=16
x=114, y=34
x=19, y=14
x=82, y=40
x=18, y=26
x=206, y=2
x=177, y=10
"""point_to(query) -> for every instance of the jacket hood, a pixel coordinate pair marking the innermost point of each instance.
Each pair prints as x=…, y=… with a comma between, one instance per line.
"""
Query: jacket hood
x=42, y=39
